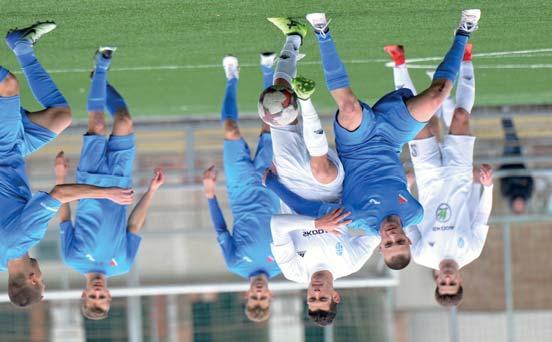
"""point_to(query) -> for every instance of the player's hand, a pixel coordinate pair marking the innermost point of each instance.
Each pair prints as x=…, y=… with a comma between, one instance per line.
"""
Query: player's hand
x=157, y=180
x=210, y=181
x=120, y=196
x=303, y=87
x=332, y=221
x=486, y=175
x=61, y=165
x=269, y=173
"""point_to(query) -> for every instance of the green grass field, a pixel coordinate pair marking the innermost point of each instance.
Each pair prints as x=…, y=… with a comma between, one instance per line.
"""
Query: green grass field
x=192, y=36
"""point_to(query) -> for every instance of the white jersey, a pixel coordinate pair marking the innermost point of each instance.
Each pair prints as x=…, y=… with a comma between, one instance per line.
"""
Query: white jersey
x=454, y=224
x=292, y=161
x=301, y=250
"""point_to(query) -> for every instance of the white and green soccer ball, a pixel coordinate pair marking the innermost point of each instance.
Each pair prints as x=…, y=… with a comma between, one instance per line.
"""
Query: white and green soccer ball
x=278, y=106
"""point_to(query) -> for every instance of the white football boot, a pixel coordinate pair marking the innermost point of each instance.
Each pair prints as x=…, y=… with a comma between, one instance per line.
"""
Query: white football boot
x=231, y=67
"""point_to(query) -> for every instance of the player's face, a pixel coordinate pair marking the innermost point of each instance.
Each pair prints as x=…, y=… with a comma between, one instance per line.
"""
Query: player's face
x=448, y=280
x=320, y=293
x=97, y=294
x=393, y=240
x=258, y=294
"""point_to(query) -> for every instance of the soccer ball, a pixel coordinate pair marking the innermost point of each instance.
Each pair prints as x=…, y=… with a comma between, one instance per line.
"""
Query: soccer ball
x=278, y=106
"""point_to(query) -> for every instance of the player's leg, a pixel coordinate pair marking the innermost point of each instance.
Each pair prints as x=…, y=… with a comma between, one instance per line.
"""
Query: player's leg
x=57, y=115
x=10, y=114
x=447, y=109
x=337, y=80
x=267, y=62
x=95, y=103
x=465, y=96
x=401, y=76
x=229, y=112
x=425, y=104
x=9, y=86
x=314, y=136
x=286, y=67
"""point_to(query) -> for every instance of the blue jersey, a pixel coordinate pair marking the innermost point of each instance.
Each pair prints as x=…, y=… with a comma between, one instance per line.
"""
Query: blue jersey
x=99, y=242
x=247, y=251
x=24, y=218
x=375, y=183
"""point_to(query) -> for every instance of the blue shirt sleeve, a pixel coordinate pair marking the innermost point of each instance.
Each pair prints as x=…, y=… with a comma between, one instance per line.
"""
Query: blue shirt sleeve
x=297, y=203
x=34, y=219
x=133, y=244
x=216, y=216
x=228, y=248
x=66, y=233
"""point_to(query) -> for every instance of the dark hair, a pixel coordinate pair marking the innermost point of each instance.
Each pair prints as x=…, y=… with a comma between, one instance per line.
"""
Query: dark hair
x=322, y=317
x=398, y=262
x=449, y=300
x=93, y=312
x=257, y=313
x=21, y=293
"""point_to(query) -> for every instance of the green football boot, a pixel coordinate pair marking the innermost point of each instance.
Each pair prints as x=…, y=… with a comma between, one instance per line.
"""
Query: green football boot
x=303, y=87
x=290, y=26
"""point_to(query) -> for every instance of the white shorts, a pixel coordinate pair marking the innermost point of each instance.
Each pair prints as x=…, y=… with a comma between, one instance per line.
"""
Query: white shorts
x=292, y=161
x=434, y=163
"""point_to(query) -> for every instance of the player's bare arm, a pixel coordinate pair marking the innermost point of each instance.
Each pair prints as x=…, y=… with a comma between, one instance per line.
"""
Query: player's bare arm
x=138, y=216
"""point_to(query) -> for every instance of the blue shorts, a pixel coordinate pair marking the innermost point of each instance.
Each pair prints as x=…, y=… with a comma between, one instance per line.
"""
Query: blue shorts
x=388, y=122
x=240, y=170
x=107, y=162
x=17, y=130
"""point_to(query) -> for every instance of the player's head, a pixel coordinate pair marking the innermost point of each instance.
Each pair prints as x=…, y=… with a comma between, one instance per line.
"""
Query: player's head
x=395, y=245
x=278, y=105
x=322, y=298
x=96, y=298
x=517, y=204
x=448, y=291
x=25, y=286
x=257, y=299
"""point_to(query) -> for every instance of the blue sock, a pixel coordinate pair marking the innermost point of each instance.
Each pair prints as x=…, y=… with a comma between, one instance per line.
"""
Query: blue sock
x=114, y=100
x=42, y=86
x=97, y=91
x=334, y=70
x=268, y=75
x=449, y=67
x=230, y=104
x=3, y=73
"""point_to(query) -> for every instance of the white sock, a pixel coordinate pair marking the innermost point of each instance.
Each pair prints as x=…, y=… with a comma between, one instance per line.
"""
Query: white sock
x=287, y=59
x=313, y=133
x=447, y=111
x=465, y=89
x=402, y=78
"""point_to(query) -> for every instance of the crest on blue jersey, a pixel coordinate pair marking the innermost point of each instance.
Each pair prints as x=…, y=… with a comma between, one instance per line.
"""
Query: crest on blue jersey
x=339, y=249
x=461, y=243
x=443, y=212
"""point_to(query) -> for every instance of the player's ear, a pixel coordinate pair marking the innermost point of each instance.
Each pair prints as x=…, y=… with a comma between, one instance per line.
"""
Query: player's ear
x=336, y=297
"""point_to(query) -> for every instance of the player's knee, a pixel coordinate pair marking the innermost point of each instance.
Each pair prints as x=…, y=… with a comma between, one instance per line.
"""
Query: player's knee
x=324, y=171
x=9, y=86
x=231, y=129
x=124, y=122
x=63, y=117
x=349, y=108
x=461, y=116
x=438, y=91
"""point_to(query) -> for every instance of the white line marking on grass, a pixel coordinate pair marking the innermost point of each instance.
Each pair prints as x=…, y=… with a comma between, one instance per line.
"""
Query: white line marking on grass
x=480, y=66
x=500, y=54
